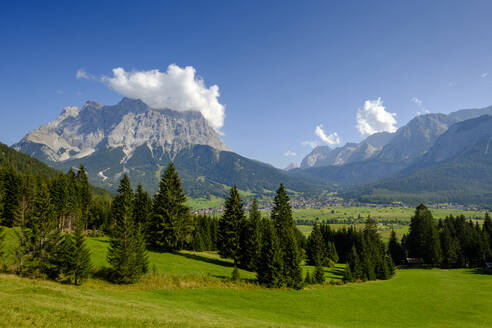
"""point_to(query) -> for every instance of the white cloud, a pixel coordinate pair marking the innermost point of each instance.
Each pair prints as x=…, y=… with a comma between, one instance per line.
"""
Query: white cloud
x=332, y=139
x=177, y=88
x=373, y=118
x=312, y=144
x=416, y=101
x=290, y=153
x=60, y=92
x=83, y=75
x=484, y=75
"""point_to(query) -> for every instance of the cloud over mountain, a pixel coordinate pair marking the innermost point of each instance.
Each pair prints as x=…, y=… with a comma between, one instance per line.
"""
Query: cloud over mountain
x=178, y=88
x=373, y=118
x=332, y=139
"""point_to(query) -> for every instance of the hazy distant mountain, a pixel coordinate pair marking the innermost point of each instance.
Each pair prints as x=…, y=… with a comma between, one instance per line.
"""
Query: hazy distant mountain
x=349, y=153
x=140, y=141
x=407, y=148
x=291, y=166
x=415, y=138
x=457, y=168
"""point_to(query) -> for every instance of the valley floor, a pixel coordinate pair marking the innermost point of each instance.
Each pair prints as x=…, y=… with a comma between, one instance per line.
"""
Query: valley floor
x=414, y=298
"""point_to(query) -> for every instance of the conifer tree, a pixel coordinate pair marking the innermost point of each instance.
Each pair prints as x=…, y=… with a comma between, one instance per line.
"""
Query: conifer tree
x=171, y=224
x=269, y=271
x=41, y=233
x=81, y=258
x=332, y=252
x=84, y=194
x=250, y=238
x=284, y=225
x=347, y=274
x=319, y=274
x=307, y=279
x=395, y=249
x=230, y=227
x=11, y=196
x=142, y=207
x=292, y=271
x=124, y=253
x=316, y=251
x=423, y=238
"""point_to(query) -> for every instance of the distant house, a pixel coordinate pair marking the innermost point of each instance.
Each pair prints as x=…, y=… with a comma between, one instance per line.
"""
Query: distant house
x=488, y=267
x=415, y=261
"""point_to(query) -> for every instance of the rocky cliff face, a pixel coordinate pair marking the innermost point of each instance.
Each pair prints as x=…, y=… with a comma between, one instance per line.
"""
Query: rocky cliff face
x=78, y=133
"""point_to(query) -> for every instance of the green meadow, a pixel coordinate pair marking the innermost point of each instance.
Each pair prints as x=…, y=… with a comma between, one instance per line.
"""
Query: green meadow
x=189, y=289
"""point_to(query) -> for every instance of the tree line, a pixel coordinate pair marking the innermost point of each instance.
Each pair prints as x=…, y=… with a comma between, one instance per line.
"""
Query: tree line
x=454, y=242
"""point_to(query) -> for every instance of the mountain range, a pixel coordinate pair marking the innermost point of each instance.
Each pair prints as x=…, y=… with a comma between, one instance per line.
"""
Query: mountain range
x=133, y=138
x=434, y=157
x=430, y=158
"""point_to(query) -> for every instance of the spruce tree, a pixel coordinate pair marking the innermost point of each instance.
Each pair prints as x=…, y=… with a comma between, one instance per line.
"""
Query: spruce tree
x=395, y=249
x=423, y=238
x=171, y=224
x=284, y=225
x=269, y=271
x=332, y=253
x=319, y=274
x=292, y=271
x=142, y=207
x=123, y=252
x=11, y=196
x=347, y=274
x=81, y=257
x=230, y=227
x=307, y=279
x=250, y=238
x=316, y=251
x=84, y=194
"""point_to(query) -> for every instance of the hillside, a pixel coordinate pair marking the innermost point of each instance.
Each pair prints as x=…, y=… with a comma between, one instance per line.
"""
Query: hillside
x=132, y=138
x=458, y=169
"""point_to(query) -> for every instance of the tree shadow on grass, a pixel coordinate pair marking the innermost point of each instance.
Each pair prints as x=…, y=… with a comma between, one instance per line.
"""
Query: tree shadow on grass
x=197, y=257
x=478, y=270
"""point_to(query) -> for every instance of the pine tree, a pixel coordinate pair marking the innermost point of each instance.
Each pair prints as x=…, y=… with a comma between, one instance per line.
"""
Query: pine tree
x=250, y=238
x=84, y=194
x=316, y=251
x=332, y=253
x=319, y=274
x=423, y=238
x=269, y=271
x=124, y=250
x=230, y=227
x=354, y=264
x=395, y=249
x=82, y=265
x=347, y=274
x=142, y=207
x=307, y=279
x=11, y=196
x=171, y=225
x=284, y=225
x=40, y=231
x=292, y=271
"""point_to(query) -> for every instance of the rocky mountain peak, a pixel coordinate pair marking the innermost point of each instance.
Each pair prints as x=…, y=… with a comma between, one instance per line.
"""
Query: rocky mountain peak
x=126, y=125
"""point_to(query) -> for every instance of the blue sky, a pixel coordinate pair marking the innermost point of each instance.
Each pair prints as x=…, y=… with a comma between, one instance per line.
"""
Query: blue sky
x=282, y=67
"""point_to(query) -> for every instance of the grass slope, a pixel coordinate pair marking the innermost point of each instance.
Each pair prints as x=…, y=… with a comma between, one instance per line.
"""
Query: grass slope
x=188, y=289
x=414, y=298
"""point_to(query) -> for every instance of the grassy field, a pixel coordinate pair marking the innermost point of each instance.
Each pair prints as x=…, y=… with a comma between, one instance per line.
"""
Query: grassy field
x=414, y=298
x=189, y=289
x=383, y=213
